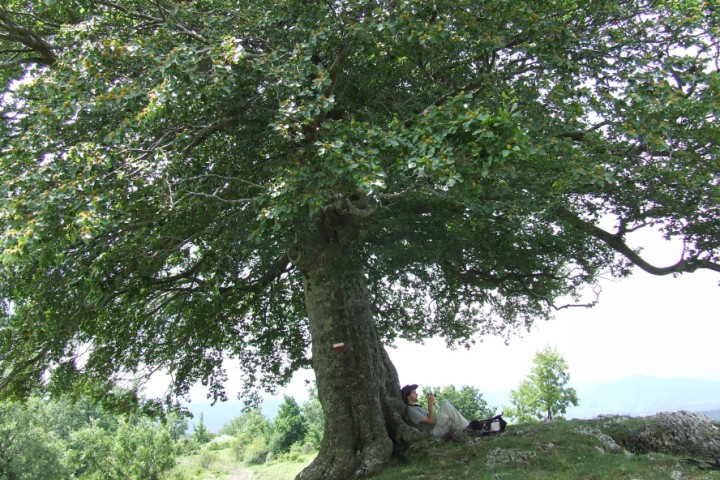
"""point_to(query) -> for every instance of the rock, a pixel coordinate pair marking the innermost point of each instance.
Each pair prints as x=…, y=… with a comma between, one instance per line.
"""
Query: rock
x=605, y=439
x=677, y=433
x=503, y=456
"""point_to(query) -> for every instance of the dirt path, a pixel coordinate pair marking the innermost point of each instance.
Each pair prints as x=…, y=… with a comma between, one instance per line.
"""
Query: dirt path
x=238, y=473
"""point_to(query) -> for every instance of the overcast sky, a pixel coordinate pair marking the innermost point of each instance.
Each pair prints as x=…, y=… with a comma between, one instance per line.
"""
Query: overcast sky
x=643, y=325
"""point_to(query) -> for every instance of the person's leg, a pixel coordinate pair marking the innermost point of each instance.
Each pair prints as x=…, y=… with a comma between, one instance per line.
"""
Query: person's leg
x=448, y=418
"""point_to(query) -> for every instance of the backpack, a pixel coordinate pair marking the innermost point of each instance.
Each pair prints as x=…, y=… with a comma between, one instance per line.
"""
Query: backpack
x=489, y=426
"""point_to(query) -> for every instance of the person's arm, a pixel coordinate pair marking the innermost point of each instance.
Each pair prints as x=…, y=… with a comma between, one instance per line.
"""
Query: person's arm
x=430, y=419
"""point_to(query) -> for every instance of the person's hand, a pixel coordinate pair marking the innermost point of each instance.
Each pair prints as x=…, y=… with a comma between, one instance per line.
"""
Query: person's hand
x=431, y=397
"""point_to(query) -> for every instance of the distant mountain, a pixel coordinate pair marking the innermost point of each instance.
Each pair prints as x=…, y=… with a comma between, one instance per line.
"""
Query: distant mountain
x=216, y=416
x=714, y=414
x=640, y=396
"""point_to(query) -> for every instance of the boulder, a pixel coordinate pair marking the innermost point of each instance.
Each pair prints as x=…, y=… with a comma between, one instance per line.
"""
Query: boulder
x=676, y=433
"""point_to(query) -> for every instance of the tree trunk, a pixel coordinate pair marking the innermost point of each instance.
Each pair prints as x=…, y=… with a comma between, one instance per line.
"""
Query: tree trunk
x=357, y=384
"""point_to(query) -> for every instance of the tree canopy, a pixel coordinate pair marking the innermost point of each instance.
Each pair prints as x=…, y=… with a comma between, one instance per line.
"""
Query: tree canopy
x=183, y=181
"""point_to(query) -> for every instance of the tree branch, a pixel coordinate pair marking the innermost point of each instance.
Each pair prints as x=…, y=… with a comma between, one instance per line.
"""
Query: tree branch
x=180, y=27
x=503, y=283
x=210, y=196
x=29, y=38
x=617, y=243
x=9, y=376
x=222, y=124
x=280, y=266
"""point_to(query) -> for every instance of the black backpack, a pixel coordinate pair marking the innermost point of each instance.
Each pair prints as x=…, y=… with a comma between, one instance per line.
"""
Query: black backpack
x=489, y=426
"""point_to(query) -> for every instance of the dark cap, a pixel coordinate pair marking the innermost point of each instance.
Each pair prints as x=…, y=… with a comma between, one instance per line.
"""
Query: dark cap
x=406, y=391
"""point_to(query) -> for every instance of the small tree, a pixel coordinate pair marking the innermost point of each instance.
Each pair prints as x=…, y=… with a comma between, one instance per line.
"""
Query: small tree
x=288, y=427
x=522, y=408
x=176, y=424
x=200, y=432
x=248, y=425
x=544, y=394
x=142, y=449
x=139, y=448
x=314, y=420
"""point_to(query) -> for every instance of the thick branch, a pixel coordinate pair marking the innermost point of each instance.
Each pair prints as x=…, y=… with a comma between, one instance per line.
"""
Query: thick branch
x=17, y=369
x=28, y=38
x=281, y=266
x=617, y=243
x=206, y=131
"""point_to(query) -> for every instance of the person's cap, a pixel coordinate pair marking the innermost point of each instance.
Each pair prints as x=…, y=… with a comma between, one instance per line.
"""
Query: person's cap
x=406, y=391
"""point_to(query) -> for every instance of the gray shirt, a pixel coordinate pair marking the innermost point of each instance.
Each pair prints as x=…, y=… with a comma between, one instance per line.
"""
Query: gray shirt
x=416, y=413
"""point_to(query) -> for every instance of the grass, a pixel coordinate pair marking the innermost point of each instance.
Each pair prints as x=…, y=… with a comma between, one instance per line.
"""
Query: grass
x=554, y=450
x=221, y=464
x=282, y=470
x=557, y=450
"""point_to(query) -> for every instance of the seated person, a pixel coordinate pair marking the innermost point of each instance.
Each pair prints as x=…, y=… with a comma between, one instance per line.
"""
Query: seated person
x=446, y=422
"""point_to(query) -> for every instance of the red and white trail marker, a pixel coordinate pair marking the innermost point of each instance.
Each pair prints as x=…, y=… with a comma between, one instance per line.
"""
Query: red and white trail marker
x=338, y=347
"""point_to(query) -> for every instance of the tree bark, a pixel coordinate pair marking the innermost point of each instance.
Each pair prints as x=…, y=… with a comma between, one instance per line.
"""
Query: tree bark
x=357, y=383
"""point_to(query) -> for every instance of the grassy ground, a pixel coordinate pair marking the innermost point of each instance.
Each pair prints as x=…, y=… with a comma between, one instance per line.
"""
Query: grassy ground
x=221, y=464
x=557, y=450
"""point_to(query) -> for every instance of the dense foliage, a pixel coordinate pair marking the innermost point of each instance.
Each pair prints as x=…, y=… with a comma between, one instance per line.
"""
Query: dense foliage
x=289, y=426
x=258, y=439
x=545, y=393
x=76, y=440
x=64, y=439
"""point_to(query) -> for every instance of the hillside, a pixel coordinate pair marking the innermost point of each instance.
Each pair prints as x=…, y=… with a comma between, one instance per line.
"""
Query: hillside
x=608, y=448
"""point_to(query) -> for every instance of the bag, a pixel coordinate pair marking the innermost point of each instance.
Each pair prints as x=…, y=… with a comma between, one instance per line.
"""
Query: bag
x=492, y=425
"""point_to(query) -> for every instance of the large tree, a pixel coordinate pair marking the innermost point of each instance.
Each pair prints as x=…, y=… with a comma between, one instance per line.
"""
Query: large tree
x=295, y=183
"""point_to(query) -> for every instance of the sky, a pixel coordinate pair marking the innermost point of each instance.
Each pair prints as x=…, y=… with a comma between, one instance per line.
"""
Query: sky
x=642, y=325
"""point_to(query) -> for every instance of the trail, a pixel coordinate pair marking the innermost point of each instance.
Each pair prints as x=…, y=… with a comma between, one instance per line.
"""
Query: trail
x=239, y=473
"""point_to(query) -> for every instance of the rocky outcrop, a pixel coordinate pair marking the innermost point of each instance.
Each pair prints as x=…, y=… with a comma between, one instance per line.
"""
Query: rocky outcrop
x=677, y=433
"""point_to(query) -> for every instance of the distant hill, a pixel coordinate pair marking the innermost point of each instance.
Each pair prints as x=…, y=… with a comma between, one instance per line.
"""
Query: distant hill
x=714, y=414
x=640, y=396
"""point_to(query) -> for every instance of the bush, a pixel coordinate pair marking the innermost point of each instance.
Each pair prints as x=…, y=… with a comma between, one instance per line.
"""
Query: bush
x=248, y=425
x=221, y=443
x=256, y=453
x=238, y=449
x=297, y=452
x=205, y=459
x=187, y=446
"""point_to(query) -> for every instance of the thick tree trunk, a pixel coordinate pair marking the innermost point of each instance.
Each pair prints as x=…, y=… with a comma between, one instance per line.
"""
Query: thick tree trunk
x=357, y=384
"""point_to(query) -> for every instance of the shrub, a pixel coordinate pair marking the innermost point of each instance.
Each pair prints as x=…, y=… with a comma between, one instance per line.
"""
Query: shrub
x=256, y=453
